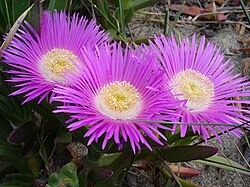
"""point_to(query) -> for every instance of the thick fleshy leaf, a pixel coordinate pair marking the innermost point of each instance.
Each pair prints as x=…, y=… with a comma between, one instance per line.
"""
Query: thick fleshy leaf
x=224, y=163
x=184, y=183
x=21, y=133
x=184, y=171
x=138, y=4
x=36, y=14
x=124, y=161
x=188, y=153
x=11, y=154
x=6, y=127
x=67, y=177
x=99, y=174
x=35, y=162
x=21, y=177
x=63, y=136
x=177, y=140
x=16, y=183
x=106, y=159
x=12, y=110
x=57, y=4
x=44, y=109
x=70, y=170
x=18, y=7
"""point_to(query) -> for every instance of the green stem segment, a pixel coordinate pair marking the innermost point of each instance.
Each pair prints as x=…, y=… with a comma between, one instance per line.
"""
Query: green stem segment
x=245, y=11
x=122, y=17
x=166, y=22
x=167, y=168
x=109, y=21
x=43, y=152
x=177, y=16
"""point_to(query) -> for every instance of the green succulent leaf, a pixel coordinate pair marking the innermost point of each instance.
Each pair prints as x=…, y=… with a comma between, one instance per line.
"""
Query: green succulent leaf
x=57, y=4
x=66, y=178
x=18, y=7
x=16, y=183
x=124, y=161
x=21, y=177
x=139, y=4
x=188, y=153
x=21, y=133
x=99, y=174
x=106, y=159
x=176, y=140
x=63, y=136
x=224, y=163
x=34, y=161
x=11, y=154
x=184, y=183
x=6, y=127
x=36, y=15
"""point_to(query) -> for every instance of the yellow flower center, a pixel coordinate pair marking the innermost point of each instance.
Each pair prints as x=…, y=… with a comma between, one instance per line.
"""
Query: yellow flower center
x=118, y=100
x=194, y=86
x=56, y=62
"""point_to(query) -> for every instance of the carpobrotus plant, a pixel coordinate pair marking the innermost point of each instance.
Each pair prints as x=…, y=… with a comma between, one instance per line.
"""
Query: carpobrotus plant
x=198, y=74
x=40, y=60
x=113, y=92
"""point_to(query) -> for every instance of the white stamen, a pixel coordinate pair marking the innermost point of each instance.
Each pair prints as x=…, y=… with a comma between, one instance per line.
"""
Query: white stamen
x=119, y=100
x=56, y=62
x=194, y=86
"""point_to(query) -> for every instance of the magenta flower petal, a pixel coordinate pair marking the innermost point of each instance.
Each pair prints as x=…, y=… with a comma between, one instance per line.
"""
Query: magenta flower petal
x=41, y=59
x=199, y=74
x=113, y=95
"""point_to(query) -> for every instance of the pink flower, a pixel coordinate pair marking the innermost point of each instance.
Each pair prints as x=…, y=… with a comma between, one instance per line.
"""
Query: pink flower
x=115, y=93
x=199, y=75
x=39, y=61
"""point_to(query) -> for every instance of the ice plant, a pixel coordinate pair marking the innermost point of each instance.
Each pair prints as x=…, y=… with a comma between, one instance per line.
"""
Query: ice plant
x=116, y=94
x=199, y=74
x=40, y=60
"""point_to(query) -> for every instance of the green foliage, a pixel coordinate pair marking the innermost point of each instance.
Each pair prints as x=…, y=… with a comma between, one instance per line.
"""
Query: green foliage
x=168, y=183
x=11, y=154
x=188, y=153
x=57, y=5
x=35, y=15
x=124, y=161
x=21, y=133
x=115, y=20
x=67, y=177
x=224, y=163
x=99, y=174
x=10, y=11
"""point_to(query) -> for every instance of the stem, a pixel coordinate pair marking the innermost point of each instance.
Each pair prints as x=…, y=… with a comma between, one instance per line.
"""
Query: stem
x=226, y=131
x=110, y=22
x=166, y=166
x=166, y=22
x=177, y=16
x=122, y=17
x=43, y=152
x=185, y=123
x=7, y=12
x=245, y=11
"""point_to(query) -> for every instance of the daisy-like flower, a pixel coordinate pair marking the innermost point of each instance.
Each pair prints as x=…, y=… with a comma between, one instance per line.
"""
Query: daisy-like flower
x=199, y=75
x=39, y=61
x=116, y=94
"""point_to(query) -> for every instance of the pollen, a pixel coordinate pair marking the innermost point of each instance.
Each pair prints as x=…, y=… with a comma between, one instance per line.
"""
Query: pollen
x=119, y=100
x=194, y=86
x=57, y=62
